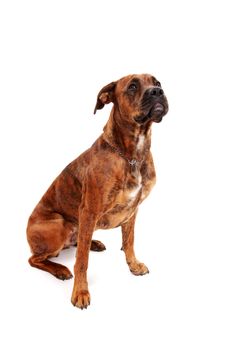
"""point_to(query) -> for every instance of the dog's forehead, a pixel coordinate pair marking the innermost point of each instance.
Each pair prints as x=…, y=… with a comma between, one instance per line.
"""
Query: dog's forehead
x=144, y=79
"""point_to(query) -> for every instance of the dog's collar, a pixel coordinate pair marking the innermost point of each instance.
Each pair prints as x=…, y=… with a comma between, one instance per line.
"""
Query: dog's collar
x=132, y=162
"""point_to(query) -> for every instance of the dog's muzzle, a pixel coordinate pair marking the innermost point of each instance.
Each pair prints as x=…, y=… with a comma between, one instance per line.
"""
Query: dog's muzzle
x=153, y=106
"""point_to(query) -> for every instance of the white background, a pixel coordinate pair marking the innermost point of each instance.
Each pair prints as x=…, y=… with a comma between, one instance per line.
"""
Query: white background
x=55, y=57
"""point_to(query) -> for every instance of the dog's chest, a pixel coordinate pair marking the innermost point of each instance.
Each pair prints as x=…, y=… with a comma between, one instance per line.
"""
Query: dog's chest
x=132, y=189
x=126, y=198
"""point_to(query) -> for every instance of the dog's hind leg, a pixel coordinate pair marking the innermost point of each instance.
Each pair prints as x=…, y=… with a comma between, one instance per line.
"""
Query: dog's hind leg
x=97, y=246
x=41, y=262
x=46, y=239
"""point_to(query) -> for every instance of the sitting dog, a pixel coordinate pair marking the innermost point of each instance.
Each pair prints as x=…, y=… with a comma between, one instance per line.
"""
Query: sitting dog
x=103, y=187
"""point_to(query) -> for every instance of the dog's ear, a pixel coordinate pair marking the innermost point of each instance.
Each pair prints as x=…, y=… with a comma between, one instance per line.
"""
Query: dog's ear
x=106, y=95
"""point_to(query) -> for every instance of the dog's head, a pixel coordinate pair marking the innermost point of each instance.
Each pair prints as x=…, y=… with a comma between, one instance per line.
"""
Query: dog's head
x=139, y=98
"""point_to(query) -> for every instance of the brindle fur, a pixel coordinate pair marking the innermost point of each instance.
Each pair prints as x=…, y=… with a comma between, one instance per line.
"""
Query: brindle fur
x=100, y=189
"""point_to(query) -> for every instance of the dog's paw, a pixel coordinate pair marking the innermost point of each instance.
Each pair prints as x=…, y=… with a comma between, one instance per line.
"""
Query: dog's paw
x=138, y=268
x=62, y=273
x=97, y=246
x=81, y=299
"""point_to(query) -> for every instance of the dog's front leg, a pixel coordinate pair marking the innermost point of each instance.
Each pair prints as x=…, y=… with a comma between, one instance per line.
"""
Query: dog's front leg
x=135, y=266
x=80, y=295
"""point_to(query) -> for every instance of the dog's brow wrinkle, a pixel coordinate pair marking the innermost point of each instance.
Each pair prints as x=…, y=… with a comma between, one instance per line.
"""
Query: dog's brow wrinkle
x=134, y=80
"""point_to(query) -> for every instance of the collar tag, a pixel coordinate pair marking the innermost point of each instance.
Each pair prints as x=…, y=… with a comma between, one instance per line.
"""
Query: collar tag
x=132, y=162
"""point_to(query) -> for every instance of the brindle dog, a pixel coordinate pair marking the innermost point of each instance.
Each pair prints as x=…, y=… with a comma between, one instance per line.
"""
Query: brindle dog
x=103, y=187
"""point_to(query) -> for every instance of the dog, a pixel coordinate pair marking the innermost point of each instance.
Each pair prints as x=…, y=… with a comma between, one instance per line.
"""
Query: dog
x=103, y=187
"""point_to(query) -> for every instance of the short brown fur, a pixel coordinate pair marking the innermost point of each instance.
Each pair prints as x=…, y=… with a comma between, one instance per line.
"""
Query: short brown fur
x=101, y=189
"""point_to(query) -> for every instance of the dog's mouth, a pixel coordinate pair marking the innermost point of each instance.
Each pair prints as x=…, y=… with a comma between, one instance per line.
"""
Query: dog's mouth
x=155, y=114
x=159, y=108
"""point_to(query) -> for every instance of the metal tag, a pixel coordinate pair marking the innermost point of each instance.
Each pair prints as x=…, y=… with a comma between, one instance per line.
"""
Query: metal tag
x=133, y=162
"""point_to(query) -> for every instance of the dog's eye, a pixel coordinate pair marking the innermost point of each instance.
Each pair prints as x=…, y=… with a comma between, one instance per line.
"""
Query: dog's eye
x=132, y=87
x=158, y=84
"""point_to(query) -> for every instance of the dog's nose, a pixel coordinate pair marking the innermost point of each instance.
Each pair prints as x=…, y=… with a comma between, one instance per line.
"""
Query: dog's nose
x=156, y=91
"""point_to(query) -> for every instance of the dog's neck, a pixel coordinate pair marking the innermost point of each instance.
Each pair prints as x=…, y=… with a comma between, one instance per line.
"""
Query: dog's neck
x=132, y=140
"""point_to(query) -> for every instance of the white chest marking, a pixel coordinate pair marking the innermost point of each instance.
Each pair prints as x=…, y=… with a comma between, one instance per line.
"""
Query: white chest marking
x=140, y=143
x=135, y=191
